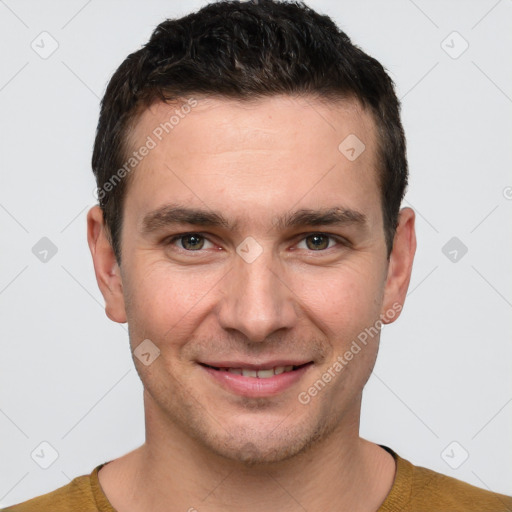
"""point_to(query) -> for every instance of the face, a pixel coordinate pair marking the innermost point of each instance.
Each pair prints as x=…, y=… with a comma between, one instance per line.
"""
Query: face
x=253, y=256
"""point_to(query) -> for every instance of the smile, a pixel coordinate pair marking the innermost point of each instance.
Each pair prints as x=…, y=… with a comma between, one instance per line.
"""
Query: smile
x=262, y=373
x=256, y=381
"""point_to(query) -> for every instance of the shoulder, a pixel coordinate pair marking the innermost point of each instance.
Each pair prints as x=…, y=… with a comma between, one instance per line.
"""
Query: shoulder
x=423, y=490
x=76, y=496
x=449, y=493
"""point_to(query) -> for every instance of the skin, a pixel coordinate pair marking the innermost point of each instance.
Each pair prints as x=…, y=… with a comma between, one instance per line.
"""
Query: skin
x=206, y=447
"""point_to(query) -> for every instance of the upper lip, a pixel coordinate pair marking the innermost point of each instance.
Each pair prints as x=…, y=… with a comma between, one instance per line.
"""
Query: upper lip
x=256, y=366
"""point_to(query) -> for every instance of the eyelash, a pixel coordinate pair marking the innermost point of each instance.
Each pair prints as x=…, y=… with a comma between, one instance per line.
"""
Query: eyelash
x=336, y=238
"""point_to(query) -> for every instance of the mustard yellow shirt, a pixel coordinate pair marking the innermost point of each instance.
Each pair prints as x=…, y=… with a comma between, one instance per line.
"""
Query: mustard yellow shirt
x=415, y=489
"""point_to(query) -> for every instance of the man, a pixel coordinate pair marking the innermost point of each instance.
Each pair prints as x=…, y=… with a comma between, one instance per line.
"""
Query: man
x=250, y=164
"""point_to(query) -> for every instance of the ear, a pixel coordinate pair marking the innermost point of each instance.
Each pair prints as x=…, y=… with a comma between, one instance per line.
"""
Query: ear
x=108, y=274
x=399, y=267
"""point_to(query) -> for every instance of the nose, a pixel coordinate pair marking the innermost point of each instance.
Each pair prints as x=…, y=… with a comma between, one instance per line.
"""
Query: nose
x=257, y=301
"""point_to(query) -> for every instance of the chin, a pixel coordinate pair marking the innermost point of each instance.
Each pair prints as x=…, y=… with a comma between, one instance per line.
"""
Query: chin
x=253, y=454
x=255, y=448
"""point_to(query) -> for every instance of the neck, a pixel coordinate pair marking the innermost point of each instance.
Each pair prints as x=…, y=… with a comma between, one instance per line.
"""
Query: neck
x=173, y=472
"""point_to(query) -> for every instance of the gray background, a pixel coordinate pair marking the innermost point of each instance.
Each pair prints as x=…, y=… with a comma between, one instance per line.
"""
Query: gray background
x=442, y=385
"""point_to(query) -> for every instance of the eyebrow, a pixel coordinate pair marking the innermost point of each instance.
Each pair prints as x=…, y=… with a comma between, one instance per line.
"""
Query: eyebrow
x=170, y=214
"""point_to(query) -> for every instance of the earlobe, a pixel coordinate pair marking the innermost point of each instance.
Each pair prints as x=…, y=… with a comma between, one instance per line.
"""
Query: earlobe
x=106, y=268
x=400, y=266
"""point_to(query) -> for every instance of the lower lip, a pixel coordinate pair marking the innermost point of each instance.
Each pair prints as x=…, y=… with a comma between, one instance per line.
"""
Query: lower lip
x=253, y=386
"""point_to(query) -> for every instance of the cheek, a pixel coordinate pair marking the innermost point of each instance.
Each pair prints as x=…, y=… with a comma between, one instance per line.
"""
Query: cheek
x=169, y=303
x=347, y=297
x=166, y=301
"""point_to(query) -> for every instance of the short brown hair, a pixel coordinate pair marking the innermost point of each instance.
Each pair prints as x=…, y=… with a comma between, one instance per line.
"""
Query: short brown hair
x=246, y=50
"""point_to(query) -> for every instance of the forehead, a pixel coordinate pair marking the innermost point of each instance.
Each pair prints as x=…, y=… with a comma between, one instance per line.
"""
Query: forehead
x=269, y=154
x=224, y=121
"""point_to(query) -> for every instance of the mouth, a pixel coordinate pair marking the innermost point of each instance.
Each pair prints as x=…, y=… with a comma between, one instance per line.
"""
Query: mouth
x=251, y=380
x=260, y=373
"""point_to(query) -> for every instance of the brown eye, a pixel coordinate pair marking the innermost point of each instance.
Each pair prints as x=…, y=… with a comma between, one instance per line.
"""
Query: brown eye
x=192, y=242
x=318, y=241
x=189, y=241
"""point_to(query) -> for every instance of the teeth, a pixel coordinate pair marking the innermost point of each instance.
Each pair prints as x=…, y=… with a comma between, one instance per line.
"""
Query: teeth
x=261, y=374
x=265, y=374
